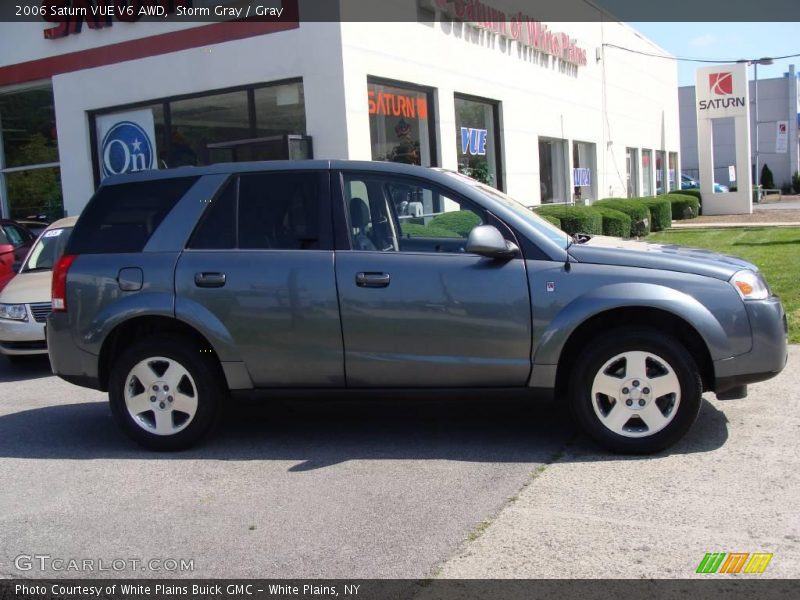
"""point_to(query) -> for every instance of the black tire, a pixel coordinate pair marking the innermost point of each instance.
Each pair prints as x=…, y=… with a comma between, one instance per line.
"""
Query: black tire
x=209, y=384
x=612, y=343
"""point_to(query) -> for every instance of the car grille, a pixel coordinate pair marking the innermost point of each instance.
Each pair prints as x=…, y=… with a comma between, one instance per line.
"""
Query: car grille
x=40, y=310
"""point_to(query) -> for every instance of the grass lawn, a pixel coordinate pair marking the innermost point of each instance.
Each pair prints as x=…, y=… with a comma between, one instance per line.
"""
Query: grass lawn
x=775, y=250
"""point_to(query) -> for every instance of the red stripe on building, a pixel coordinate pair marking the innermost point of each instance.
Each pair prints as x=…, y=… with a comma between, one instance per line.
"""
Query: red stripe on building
x=139, y=48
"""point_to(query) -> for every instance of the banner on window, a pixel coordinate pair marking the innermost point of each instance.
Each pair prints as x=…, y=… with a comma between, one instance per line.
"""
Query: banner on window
x=782, y=137
x=126, y=142
x=581, y=177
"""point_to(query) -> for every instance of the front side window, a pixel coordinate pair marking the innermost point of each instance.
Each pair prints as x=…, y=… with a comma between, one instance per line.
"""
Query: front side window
x=400, y=124
x=395, y=214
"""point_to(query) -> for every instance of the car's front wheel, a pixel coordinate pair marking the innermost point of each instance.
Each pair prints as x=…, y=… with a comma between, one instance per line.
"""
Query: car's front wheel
x=635, y=391
x=164, y=393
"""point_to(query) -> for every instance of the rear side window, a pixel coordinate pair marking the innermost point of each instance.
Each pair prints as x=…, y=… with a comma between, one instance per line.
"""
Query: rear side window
x=121, y=218
x=268, y=211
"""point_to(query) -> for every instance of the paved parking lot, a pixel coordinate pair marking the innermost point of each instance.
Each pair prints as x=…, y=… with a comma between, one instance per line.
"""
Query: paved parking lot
x=369, y=489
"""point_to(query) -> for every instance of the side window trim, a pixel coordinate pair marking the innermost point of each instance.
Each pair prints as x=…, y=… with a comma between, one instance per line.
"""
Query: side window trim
x=343, y=229
x=326, y=221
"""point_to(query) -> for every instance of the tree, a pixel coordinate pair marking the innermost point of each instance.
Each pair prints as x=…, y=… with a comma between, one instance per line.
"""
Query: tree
x=767, y=180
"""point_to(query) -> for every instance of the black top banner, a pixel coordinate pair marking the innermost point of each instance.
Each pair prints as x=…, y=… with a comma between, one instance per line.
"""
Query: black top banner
x=398, y=10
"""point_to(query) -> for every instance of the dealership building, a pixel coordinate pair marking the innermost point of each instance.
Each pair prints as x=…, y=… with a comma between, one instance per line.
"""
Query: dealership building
x=778, y=139
x=548, y=112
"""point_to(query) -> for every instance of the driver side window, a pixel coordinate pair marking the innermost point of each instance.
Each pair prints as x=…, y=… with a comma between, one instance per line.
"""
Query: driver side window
x=395, y=214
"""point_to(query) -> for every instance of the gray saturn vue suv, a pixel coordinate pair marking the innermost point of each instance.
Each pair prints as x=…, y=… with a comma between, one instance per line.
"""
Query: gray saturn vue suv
x=179, y=287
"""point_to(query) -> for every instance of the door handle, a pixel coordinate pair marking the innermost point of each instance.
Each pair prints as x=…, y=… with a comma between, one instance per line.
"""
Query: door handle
x=209, y=280
x=373, y=280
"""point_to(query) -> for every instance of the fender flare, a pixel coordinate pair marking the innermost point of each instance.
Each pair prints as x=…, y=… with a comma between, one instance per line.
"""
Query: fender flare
x=630, y=295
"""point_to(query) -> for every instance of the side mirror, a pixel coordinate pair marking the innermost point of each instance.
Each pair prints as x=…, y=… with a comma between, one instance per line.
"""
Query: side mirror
x=487, y=241
x=16, y=266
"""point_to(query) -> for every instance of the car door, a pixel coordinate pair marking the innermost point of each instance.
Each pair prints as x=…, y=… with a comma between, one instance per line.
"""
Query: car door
x=21, y=238
x=260, y=266
x=417, y=309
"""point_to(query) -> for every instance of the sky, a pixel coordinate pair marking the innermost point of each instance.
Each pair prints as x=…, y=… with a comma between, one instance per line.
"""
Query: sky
x=726, y=41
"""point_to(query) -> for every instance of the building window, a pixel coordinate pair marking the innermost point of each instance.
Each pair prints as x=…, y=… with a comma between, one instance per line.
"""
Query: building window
x=30, y=178
x=647, y=172
x=661, y=165
x=478, y=139
x=583, y=171
x=673, y=171
x=553, y=170
x=259, y=122
x=632, y=171
x=401, y=123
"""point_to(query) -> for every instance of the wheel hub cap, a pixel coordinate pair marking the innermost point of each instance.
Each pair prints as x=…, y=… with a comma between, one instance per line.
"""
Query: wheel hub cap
x=636, y=394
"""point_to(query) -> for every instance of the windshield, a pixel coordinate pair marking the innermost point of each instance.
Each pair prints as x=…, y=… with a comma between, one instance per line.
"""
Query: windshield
x=47, y=250
x=542, y=226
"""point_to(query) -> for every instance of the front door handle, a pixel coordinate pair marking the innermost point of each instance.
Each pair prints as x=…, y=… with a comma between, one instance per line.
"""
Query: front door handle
x=372, y=280
x=209, y=280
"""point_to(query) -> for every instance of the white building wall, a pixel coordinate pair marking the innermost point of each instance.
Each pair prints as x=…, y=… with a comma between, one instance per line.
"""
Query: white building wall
x=310, y=52
x=622, y=100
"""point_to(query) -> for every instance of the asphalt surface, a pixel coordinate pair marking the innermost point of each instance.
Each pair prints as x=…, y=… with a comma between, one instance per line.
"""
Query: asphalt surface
x=403, y=489
x=307, y=489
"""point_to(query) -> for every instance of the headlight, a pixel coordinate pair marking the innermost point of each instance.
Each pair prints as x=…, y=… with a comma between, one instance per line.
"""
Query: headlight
x=16, y=312
x=750, y=285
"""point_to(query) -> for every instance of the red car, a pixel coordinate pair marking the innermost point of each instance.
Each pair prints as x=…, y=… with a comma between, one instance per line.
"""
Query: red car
x=15, y=241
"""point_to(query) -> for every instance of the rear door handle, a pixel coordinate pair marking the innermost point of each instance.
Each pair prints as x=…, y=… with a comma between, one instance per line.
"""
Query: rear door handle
x=372, y=280
x=209, y=280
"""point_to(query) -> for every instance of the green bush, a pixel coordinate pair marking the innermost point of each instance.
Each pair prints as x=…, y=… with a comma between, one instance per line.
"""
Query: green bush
x=767, y=180
x=551, y=219
x=796, y=182
x=575, y=219
x=660, y=212
x=638, y=212
x=460, y=222
x=684, y=206
x=432, y=231
x=615, y=222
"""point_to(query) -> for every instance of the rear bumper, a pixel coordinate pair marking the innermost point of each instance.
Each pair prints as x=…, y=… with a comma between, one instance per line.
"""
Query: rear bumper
x=769, y=353
x=67, y=360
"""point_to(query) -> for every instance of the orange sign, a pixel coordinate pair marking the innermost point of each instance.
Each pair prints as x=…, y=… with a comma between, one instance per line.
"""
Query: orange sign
x=397, y=105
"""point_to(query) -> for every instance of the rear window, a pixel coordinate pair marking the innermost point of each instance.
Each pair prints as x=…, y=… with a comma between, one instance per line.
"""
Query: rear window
x=121, y=218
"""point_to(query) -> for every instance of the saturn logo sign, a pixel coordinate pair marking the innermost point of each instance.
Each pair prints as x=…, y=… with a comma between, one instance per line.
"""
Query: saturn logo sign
x=126, y=148
x=721, y=84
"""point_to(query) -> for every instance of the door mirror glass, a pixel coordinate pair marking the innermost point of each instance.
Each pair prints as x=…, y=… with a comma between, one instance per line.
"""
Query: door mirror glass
x=486, y=240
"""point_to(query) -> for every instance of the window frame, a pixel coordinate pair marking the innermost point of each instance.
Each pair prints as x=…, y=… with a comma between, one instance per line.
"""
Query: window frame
x=431, y=98
x=166, y=101
x=341, y=214
x=497, y=120
x=326, y=231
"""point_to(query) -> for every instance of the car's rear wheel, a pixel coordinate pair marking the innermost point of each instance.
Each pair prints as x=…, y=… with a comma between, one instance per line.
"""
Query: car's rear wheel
x=164, y=393
x=635, y=391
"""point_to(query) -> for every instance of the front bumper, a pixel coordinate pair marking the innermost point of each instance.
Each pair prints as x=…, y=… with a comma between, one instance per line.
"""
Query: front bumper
x=767, y=357
x=22, y=337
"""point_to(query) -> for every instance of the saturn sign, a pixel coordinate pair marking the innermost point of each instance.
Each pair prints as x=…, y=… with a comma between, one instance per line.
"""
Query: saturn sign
x=126, y=143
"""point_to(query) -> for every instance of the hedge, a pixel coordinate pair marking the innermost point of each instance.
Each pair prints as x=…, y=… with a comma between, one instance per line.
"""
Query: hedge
x=460, y=222
x=615, y=222
x=431, y=231
x=660, y=212
x=575, y=219
x=638, y=212
x=684, y=206
x=551, y=219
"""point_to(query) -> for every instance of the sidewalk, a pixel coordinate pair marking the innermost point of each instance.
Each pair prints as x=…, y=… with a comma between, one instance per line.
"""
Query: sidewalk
x=776, y=214
x=730, y=486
